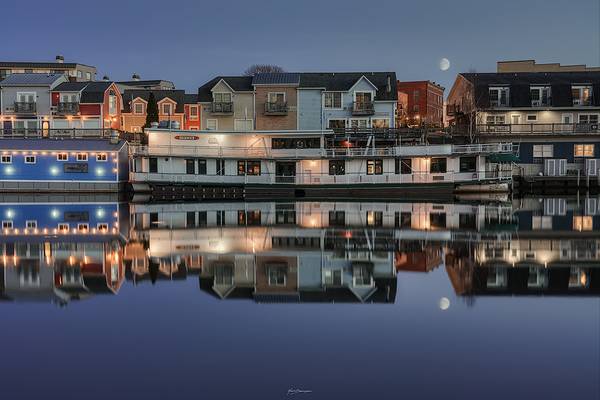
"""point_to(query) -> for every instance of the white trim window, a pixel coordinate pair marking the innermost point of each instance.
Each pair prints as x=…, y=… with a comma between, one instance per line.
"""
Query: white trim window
x=499, y=96
x=26, y=97
x=83, y=227
x=138, y=108
x=102, y=157
x=166, y=109
x=62, y=157
x=359, y=123
x=82, y=157
x=336, y=123
x=212, y=124
x=543, y=150
x=243, y=125
x=540, y=96
x=495, y=119
x=332, y=100
x=194, y=113
x=582, y=95
x=31, y=224
x=276, y=97
x=541, y=222
x=63, y=227
x=30, y=159
x=588, y=118
x=8, y=224
x=583, y=150
x=6, y=159
x=277, y=276
x=532, y=118
x=380, y=123
x=102, y=226
x=222, y=97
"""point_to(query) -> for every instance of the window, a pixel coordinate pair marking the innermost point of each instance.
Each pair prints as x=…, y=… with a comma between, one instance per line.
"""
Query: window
x=276, y=98
x=359, y=123
x=588, y=118
x=582, y=95
x=332, y=100
x=403, y=166
x=222, y=97
x=193, y=112
x=337, y=218
x=468, y=164
x=63, y=227
x=541, y=222
x=374, y=167
x=374, y=218
x=212, y=124
x=30, y=159
x=251, y=218
x=532, y=118
x=380, y=123
x=277, y=276
x=438, y=166
x=402, y=219
x=467, y=221
x=583, y=150
x=248, y=167
x=540, y=96
x=6, y=159
x=138, y=108
x=498, y=96
x=201, y=167
x=166, y=109
x=88, y=76
x=543, y=150
x=7, y=224
x=583, y=222
x=243, y=125
x=101, y=157
x=361, y=276
x=190, y=166
x=31, y=224
x=82, y=157
x=102, y=227
x=83, y=227
x=112, y=102
x=295, y=143
x=153, y=164
x=495, y=119
x=336, y=124
x=437, y=220
x=62, y=157
x=224, y=275
x=220, y=167
x=337, y=167
x=79, y=74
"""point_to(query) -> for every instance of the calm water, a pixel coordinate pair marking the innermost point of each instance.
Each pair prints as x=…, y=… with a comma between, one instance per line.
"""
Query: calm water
x=310, y=300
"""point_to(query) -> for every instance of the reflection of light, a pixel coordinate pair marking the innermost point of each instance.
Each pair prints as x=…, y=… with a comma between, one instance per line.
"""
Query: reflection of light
x=55, y=213
x=99, y=171
x=54, y=170
x=10, y=213
x=9, y=170
x=100, y=213
x=444, y=303
x=583, y=279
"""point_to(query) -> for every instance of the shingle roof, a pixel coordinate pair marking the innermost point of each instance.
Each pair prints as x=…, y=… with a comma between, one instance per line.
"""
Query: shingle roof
x=343, y=81
x=152, y=82
x=281, y=78
x=237, y=83
x=71, y=86
x=191, y=98
x=31, y=79
x=91, y=92
x=175, y=95
x=60, y=145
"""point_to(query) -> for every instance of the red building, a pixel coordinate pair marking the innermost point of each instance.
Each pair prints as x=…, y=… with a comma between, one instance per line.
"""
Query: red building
x=425, y=103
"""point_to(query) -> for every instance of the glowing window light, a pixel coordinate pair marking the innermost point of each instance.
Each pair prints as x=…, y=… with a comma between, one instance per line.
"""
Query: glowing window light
x=100, y=171
x=54, y=213
x=54, y=171
x=9, y=170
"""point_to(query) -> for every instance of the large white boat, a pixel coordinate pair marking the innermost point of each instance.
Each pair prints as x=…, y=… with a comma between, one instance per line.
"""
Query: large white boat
x=320, y=163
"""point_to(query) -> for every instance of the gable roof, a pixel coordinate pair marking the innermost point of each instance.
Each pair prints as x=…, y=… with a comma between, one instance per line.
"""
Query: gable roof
x=31, y=79
x=276, y=78
x=237, y=83
x=146, y=83
x=344, y=81
x=176, y=95
x=91, y=92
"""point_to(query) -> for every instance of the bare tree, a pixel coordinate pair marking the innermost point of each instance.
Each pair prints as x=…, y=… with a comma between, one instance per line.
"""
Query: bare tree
x=262, y=68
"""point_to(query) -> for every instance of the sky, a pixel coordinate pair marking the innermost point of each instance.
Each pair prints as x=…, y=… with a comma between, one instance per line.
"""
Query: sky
x=189, y=42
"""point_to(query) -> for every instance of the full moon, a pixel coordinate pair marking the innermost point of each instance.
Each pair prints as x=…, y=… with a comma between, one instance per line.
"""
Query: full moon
x=444, y=303
x=444, y=64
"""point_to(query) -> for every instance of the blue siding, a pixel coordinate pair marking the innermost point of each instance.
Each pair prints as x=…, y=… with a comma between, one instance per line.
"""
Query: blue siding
x=309, y=110
x=561, y=150
x=50, y=215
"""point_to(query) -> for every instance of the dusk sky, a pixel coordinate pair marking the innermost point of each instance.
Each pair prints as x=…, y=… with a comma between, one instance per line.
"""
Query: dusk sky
x=189, y=42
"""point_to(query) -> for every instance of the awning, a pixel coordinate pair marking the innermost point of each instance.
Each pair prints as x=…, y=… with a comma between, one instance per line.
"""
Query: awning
x=502, y=157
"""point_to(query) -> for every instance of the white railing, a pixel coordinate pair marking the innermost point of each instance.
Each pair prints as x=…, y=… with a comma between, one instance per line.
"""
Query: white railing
x=478, y=148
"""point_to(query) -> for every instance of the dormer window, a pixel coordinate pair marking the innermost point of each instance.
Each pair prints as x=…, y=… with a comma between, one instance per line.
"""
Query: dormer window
x=138, y=108
x=582, y=95
x=167, y=109
x=540, y=96
x=222, y=97
x=499, y=96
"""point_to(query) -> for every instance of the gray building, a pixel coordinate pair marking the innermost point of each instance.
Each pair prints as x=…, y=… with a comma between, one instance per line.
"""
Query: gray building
x=74, y=71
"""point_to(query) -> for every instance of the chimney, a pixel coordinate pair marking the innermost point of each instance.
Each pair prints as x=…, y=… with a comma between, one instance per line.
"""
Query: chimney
x=135, y=77
x=389, y=84
x=105, y=78
x=60, y=59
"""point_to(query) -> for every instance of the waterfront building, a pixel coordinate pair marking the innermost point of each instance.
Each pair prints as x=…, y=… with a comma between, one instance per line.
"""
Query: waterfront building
x=227, y=104
x=276, y=100
x=86, y=106
x=554, y=116
x=425, y=102
x=312, y=163
x=147, y=84
x=73, y=71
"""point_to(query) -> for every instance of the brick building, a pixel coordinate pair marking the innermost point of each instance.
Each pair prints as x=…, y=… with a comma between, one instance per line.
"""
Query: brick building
x=425, y=103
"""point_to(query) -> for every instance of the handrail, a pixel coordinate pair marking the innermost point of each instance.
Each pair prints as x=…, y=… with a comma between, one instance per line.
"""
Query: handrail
x=73, y=133
x=537, y=128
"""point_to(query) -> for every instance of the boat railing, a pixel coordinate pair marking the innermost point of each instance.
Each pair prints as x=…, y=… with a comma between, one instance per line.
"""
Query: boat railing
x=479, y=148
x=538, y=128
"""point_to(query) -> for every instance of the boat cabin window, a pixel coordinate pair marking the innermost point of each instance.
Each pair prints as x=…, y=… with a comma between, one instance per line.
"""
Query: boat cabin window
x=337, y=167
x=468, y=164
x=248, y=167
x=201, y=167
x=296, y=143
x=374, y=167
x=153, y=164
x=403, y=166
x=438, y=166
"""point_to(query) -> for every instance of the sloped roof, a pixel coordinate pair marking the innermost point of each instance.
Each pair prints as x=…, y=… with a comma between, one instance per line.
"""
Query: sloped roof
x=150, y=82
x=31, y=79
x=71, y=87
x=237, y=83
x=176, y=95
x=276, y=78
x=91, y=92
x=493, y=78
x=343, y=81
x=191, y=98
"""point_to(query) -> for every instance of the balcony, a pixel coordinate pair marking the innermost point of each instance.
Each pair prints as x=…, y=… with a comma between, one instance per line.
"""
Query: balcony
x=67, y=108
x=363, y=108
x=497, y=103
x=25, y=107
x=586, y=102
x=276, y=108
x=546, y=102
x=222, y=108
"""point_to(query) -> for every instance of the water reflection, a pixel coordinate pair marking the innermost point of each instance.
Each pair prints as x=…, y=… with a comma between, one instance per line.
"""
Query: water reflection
x=299, y=251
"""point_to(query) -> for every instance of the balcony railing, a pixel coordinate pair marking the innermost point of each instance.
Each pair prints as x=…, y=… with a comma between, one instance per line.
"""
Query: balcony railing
x=24, y=107
x=582, y=102
x=276, y=108
x=495, y=103
x=537, y=129
x=67, y=133
x=222, y=107
x=67, y=108
x=363, y=108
